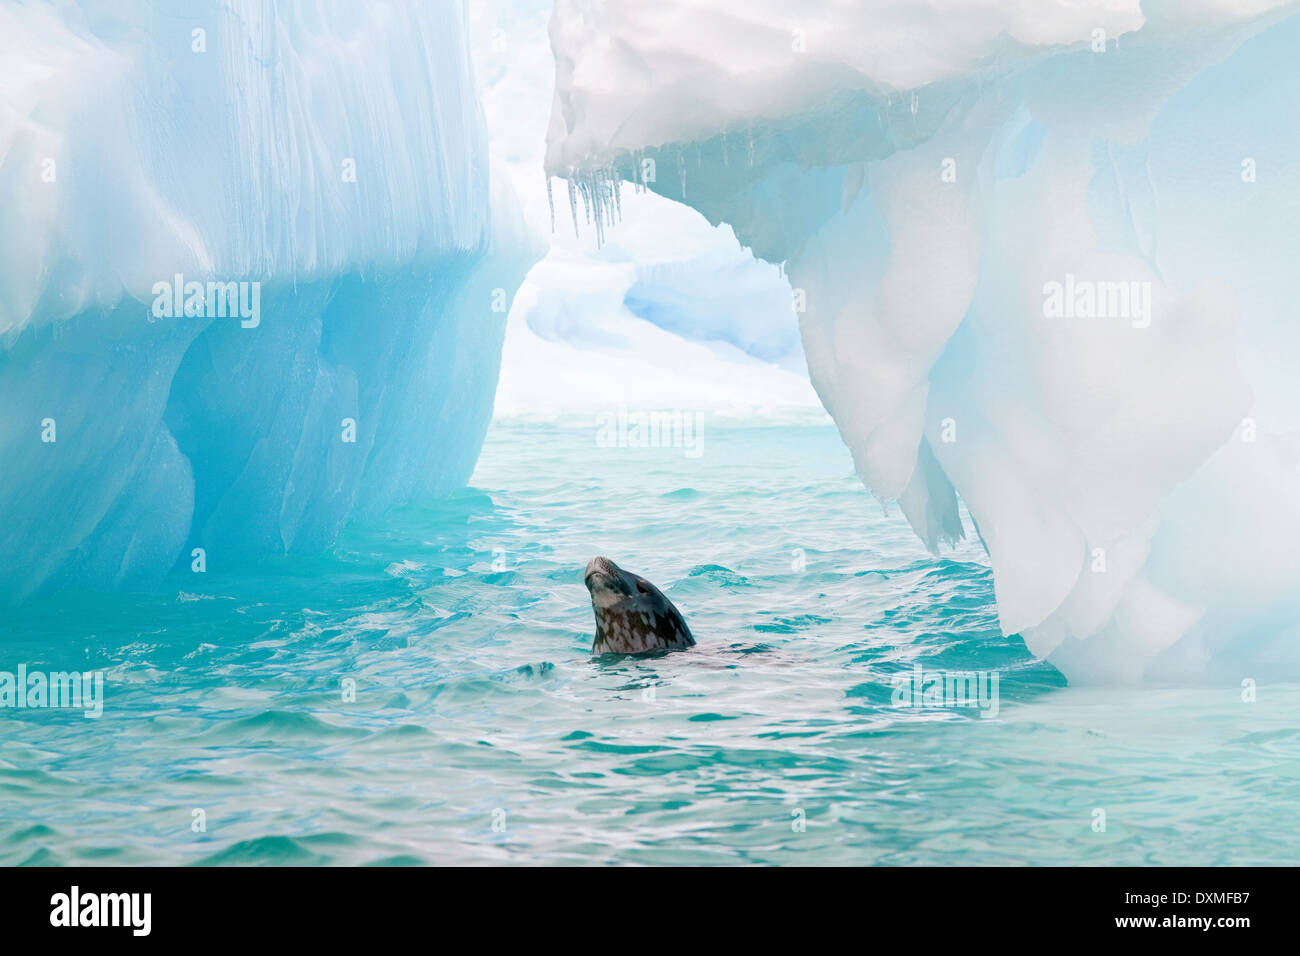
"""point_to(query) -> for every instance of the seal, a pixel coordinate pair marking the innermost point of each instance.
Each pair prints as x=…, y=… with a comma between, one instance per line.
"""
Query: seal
x=632, y=615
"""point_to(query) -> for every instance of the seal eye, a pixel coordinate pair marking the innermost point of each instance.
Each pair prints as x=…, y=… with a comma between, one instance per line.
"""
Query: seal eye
x=640, y=586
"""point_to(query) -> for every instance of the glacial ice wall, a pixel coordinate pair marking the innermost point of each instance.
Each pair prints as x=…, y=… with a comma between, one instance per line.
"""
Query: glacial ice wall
x=327, y=160
x=1048, y=260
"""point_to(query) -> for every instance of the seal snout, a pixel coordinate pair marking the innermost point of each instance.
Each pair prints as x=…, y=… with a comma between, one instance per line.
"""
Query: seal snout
x=598, y=565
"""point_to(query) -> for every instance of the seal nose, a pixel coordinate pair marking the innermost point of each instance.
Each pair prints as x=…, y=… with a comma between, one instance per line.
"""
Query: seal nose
x=598, y=565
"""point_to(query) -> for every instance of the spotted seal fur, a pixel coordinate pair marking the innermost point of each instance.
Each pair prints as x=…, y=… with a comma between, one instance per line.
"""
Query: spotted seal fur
x=632, y=615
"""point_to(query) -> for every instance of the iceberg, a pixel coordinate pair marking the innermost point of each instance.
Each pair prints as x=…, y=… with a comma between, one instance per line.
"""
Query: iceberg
x=674, y=312
x=659, y=307
x=255, y=267
x=1046, y=255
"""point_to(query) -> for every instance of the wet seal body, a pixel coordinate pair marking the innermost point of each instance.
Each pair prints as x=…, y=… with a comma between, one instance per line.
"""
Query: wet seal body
x=632, y=615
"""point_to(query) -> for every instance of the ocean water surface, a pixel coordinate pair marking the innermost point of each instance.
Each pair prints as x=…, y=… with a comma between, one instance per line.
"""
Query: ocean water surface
x=425, y=694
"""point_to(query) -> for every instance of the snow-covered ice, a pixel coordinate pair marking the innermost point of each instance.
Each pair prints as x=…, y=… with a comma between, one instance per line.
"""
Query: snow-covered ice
x=1049, y=258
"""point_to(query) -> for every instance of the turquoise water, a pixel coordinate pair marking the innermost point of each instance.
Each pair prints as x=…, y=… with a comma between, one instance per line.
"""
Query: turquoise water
x=483, y=732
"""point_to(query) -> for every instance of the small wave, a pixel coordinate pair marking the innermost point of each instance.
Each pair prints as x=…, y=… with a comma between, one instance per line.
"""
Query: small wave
x=276, y=851
x=527, y=672
x=719, y=574
x=681, y=494
x=792, y=625
x=278, y=727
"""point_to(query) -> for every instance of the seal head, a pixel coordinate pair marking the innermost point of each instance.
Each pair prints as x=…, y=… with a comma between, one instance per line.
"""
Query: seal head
x=632, y=615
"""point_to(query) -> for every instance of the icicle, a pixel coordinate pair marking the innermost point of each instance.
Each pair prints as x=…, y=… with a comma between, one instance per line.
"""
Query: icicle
x=550, y=201
x=573, y=204
x=681, y=171
x=724, y=148
x=611, y=185
x=604, y=197
x=585, y=187
x=751, y=152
